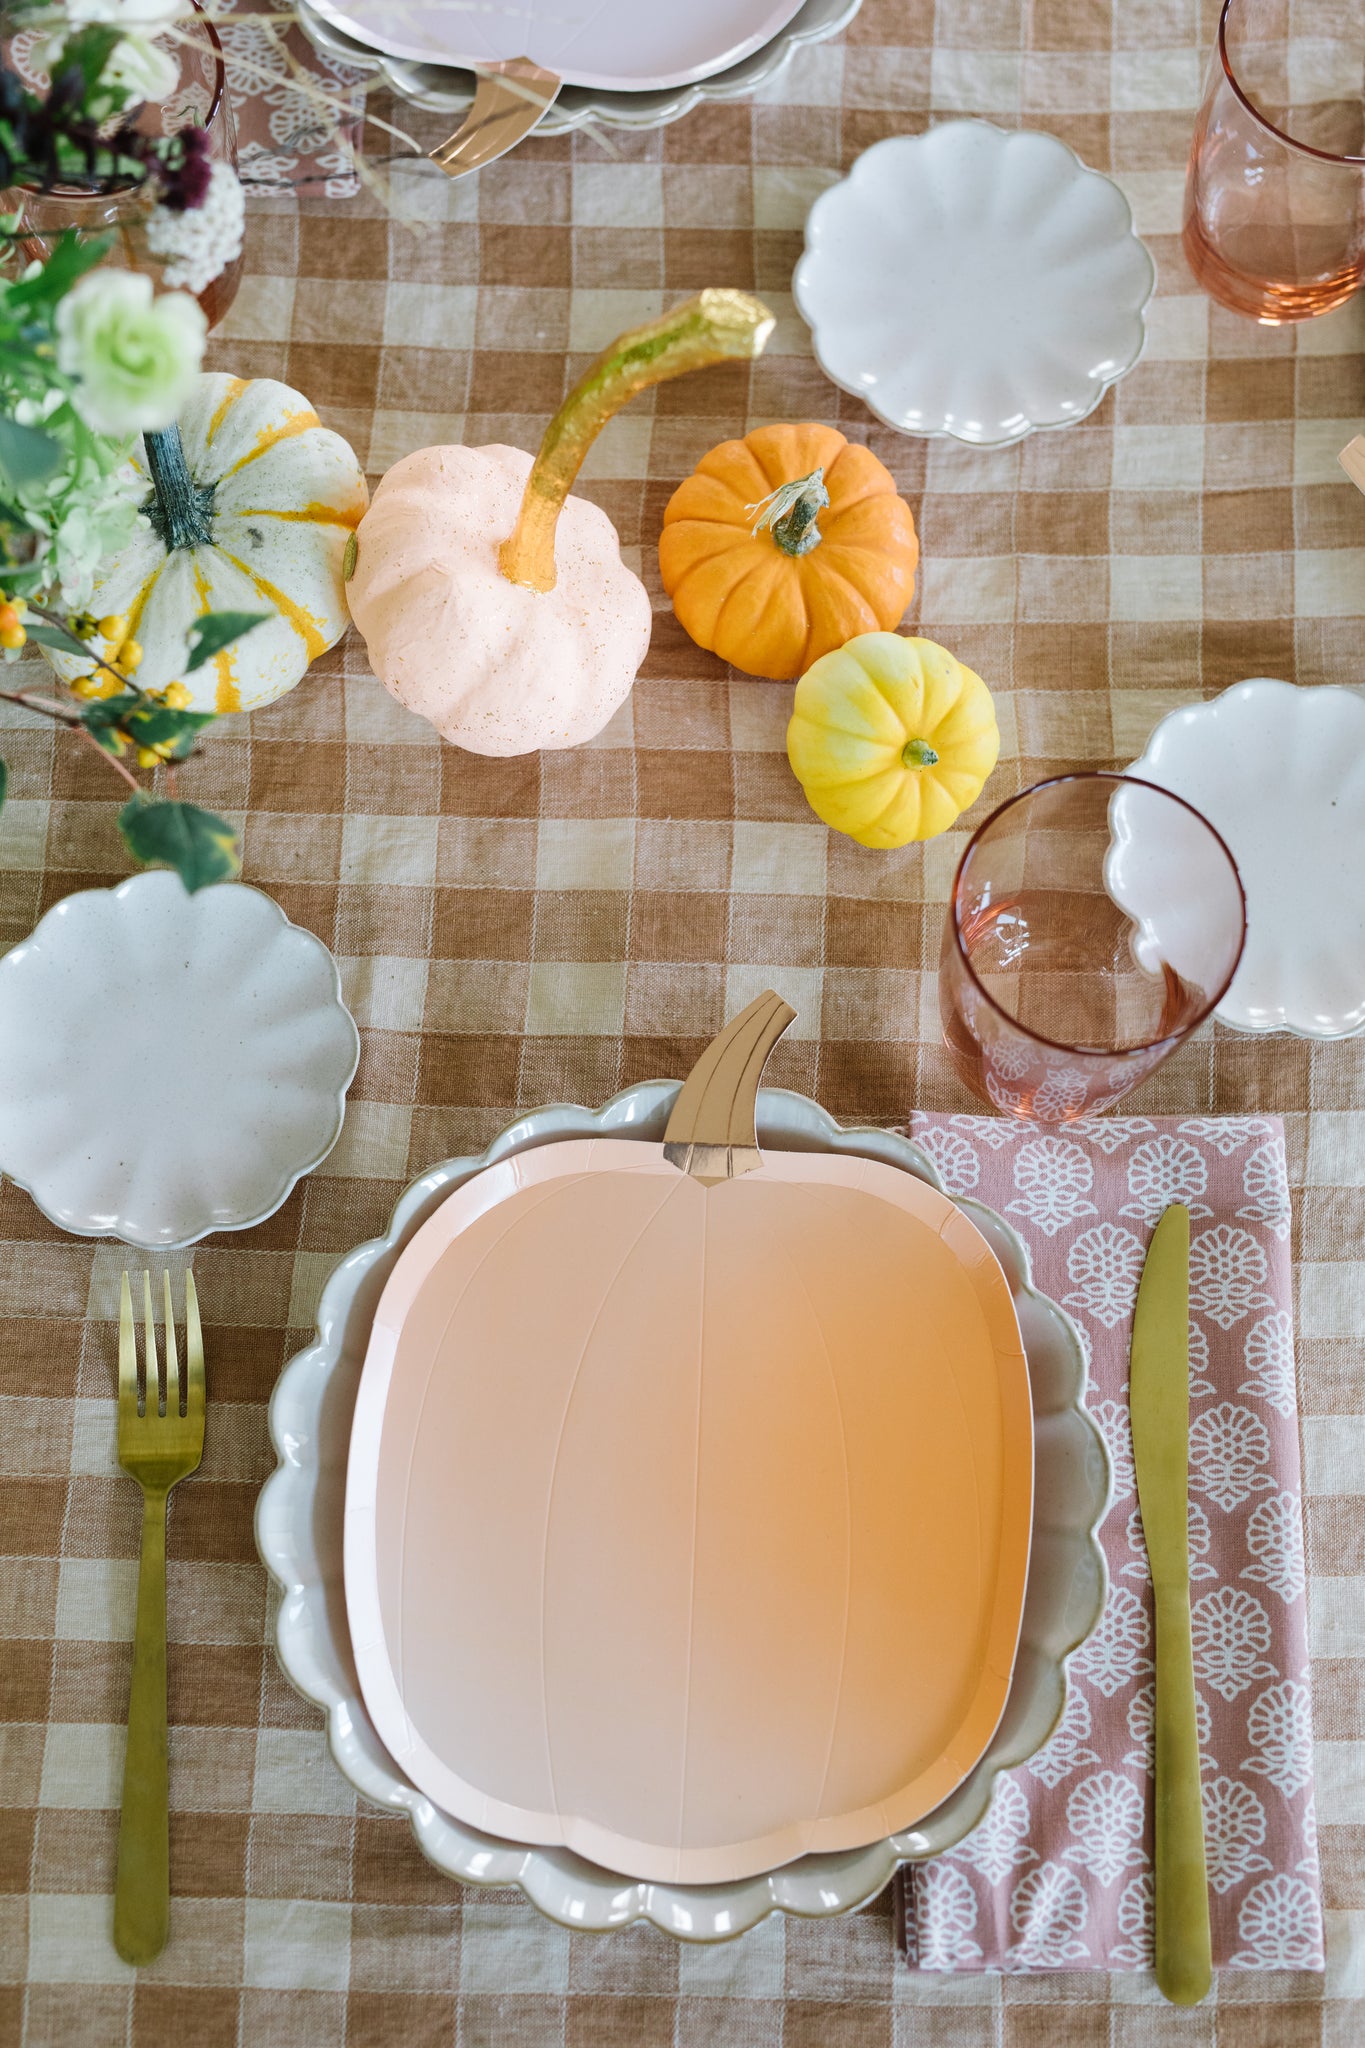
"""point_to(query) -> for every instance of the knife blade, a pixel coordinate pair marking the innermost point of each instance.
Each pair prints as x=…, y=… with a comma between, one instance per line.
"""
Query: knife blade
x=1159, y=1399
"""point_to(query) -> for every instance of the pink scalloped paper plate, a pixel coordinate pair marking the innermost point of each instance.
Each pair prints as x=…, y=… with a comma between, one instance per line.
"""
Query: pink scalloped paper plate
x=617, y=45
x=688, y=1527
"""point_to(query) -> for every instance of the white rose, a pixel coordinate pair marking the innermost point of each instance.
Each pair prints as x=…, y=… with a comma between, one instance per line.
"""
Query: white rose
x=136, y=68
x=142, y=69
x=129, y=14
x=136, y=356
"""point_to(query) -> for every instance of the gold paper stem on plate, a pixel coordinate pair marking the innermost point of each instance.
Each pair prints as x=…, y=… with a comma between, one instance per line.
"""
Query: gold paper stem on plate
x=711, y=1132
x=509, y=100
x=714, y=327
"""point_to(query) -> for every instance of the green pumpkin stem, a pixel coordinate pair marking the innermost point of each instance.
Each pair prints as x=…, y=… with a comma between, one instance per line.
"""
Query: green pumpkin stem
x=919, y=754
x=789, y=513
x=180, y=509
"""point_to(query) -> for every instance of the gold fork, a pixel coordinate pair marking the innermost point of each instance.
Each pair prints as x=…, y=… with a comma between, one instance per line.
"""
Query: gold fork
x=157, y=1446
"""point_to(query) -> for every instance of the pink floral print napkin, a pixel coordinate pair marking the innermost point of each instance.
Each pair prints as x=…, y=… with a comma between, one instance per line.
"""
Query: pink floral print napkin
x=285, y=139
x=1058, y=1875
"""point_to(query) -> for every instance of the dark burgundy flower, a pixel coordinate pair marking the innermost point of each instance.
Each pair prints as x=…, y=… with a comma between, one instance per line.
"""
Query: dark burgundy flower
x=186, y=170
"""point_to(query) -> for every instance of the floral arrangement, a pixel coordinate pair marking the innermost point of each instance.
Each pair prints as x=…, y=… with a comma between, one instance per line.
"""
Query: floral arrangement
x=91, y=357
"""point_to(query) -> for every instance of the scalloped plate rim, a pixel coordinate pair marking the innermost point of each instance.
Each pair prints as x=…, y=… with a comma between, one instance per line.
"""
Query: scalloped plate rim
x=579, y=106
x=1191, y=714
x=279, y=1193
x=338, y=13
x=801, y=291
x=567, y=1889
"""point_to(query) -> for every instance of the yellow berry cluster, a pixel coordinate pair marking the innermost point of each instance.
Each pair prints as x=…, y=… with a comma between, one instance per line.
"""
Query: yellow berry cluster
x=176, y=697
x=124, y=654
x=12, y=634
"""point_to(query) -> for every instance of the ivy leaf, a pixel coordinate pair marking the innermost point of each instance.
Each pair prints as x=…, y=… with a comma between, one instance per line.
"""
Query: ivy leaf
x=56, y=636
x=213, y=631
x=135, y=717
x=70, y=259
x=201, y=847
x=104, y=720
x=27, y=456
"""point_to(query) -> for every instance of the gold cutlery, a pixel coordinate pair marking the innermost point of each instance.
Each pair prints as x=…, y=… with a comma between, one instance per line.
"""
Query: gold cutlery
x=157, y=1446
x=1159, y=1397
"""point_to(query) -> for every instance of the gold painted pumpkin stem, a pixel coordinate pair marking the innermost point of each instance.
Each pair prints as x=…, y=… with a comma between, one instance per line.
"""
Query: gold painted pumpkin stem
x=789, y=513
x=710, y=328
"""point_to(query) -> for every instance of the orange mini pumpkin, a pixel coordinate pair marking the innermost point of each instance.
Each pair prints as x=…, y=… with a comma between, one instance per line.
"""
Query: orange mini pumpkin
x=782, y=546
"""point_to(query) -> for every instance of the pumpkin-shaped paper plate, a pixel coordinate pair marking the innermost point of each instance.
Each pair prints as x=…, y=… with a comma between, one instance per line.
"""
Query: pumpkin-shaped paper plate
x=689, y=1496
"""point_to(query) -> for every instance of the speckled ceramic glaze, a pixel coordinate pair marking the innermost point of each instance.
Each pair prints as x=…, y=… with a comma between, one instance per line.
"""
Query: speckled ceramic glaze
x=299, y=1532
x=974, y=283
x=170, y=1064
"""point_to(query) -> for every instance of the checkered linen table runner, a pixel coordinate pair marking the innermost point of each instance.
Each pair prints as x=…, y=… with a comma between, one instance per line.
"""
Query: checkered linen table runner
x=515, y=931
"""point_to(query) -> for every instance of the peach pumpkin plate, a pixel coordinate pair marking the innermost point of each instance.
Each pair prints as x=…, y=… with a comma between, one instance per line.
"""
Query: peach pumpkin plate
x=738, y=1449
x=301, y=1514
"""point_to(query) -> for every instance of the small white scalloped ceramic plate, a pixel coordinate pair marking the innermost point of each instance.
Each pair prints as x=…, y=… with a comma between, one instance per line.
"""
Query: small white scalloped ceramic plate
x=1279, y=772
x=974, y=282
x=169, y=1064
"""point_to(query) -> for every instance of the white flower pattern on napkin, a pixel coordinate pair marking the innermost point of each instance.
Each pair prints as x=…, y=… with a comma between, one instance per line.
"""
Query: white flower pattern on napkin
x=1079, y=1894
x=1280, y=1727
x=1054, y=1179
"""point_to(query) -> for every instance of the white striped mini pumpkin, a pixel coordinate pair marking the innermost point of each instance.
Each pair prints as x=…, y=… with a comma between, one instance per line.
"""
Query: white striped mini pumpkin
x=255, y=518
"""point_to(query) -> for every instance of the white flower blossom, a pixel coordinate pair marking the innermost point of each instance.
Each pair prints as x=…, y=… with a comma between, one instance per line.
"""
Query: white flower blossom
x=136, y=69
x=200, y=241
x=142, y=69
x=136, y=356
x=127, y=14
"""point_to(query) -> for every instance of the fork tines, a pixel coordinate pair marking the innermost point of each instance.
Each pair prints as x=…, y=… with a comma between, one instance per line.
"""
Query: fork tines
x=151, y=1391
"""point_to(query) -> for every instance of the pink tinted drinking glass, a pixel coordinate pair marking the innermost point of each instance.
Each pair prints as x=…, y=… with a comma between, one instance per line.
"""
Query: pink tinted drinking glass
x=116, y=207
x=1274, y=213
x=1095, y=922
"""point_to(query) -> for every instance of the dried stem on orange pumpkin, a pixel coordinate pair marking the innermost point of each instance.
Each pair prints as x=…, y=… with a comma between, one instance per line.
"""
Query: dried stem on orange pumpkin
x=711, y=328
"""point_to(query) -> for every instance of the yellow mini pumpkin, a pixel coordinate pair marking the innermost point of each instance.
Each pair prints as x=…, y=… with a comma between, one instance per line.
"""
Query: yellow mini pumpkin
x=891, y=739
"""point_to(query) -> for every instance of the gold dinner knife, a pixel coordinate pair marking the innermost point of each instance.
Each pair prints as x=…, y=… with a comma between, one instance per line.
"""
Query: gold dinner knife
x=1159, y=1396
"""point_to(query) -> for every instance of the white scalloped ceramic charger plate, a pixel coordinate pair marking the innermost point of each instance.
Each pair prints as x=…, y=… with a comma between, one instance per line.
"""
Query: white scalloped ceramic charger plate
x=170, y=1064
x=447, y=89
x=974, y=282
x=299, y=1532
x=1279, y=771
x=615, y=44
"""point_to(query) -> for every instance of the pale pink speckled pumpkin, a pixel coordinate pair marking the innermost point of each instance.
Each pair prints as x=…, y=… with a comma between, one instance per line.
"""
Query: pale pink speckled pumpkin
x=492, y=602
x=496, y=667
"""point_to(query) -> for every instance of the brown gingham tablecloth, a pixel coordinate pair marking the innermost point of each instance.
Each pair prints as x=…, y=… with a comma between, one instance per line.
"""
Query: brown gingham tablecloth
x=516, y=931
